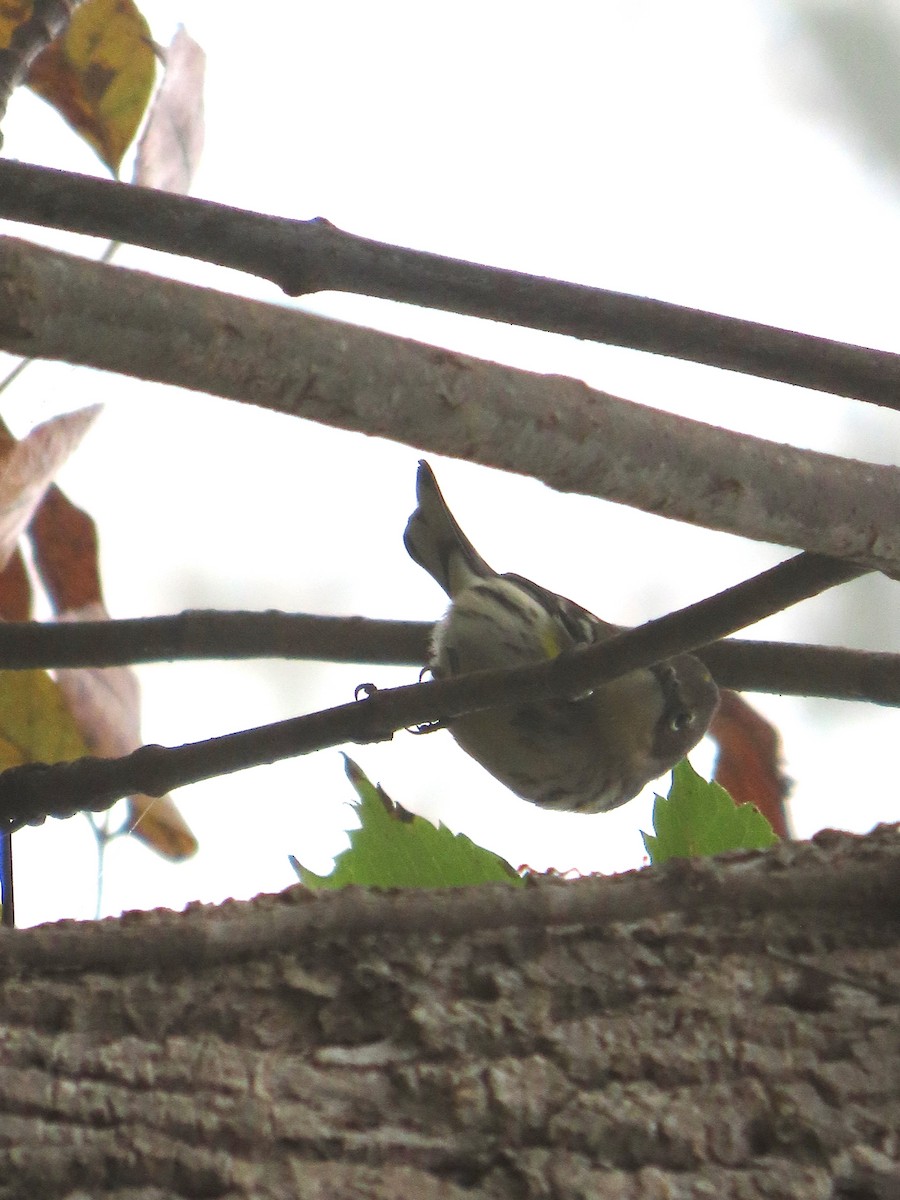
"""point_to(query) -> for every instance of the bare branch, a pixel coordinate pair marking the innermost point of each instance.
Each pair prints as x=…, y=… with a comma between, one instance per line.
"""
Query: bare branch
x=794, y=669
x=30, y=793
x=212, y=635
x=56, y=306
x=311, y=256
x=786, y=668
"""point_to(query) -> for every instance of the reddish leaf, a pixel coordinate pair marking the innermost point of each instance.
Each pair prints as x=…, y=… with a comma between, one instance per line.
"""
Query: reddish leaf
x=27, y=468
x=64, y=543
x=99, y=75
x=15, y=590
x=101, y=705
x=172, y=142
x=749, y=762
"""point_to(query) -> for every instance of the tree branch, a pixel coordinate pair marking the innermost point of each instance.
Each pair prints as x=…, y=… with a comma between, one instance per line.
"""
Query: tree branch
x=30, y=793
x=795, y=669
x=25, y=645
x=820, y=874
x=313, y=256
x=786, y=668
x=53, y=305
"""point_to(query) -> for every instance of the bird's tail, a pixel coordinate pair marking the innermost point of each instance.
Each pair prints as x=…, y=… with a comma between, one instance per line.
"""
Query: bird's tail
x=435, y=541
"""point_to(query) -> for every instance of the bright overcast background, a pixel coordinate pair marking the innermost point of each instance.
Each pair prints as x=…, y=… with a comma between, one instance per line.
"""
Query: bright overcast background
x=742, y=158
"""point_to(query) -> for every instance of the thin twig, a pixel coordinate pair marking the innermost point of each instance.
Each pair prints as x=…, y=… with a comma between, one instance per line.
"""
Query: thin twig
x=25, y=645
x=30, y=793
x=794, y=669
x=786, y=668
x=313, y=256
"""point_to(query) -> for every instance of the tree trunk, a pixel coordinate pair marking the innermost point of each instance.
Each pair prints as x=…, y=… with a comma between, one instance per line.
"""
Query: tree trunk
x=709, y=1029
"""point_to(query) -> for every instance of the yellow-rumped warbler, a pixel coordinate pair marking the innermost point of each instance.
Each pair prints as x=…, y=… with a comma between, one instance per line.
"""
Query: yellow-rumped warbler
x=588, y=754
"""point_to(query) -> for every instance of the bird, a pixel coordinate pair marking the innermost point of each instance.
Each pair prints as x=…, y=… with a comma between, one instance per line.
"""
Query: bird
x=588, y=753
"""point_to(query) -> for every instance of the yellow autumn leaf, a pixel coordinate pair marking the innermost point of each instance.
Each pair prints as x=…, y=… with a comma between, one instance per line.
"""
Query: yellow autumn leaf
x=36, y=724
x=99, y=75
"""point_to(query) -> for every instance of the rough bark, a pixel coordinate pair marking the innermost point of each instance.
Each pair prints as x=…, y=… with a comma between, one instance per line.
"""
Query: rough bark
x=739, y=1041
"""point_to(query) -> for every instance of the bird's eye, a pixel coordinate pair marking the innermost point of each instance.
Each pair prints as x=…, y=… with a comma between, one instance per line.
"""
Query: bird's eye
x=681, y=720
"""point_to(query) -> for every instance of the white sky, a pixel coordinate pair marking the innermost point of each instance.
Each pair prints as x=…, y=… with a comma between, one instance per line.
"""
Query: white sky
x=696, y=153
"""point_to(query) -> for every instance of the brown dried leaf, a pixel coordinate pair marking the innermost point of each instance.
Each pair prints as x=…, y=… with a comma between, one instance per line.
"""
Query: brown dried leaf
x=105, y=702
x=95, y=710
x=749, y=762
x=15, y=590
x=157, y=821
x=64, y=545
x=27, y=468
x=172, y=142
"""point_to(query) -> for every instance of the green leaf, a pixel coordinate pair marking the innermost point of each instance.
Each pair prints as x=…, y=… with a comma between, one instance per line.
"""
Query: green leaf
x=393, y=848
x=700, y=818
